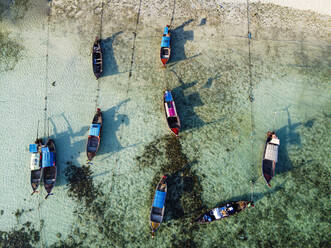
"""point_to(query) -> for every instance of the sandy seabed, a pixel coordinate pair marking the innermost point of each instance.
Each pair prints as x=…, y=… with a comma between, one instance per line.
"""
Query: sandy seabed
x=236, y=71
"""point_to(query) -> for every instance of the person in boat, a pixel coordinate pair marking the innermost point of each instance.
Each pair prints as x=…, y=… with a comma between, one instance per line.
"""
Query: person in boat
x=208, y=218
x=230, y=210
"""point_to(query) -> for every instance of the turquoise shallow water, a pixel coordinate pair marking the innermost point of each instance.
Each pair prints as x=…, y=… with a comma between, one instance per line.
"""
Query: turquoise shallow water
x=214, y=69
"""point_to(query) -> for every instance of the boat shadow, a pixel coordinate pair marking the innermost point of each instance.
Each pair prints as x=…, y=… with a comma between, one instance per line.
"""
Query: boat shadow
x=112, y=121
x=288, y=136
x=177, y=183
x=255, y=197
x=178, y=39
x=67, y=150
x=185, y=105
x=110, y=66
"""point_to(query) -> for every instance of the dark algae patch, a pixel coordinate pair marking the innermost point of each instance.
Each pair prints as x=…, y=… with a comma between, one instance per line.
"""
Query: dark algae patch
x=10, y=51
x=80, y=183
x=93, y=212
x=22, y=235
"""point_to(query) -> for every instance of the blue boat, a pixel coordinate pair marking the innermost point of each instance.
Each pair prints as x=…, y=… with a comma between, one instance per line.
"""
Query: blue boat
x=222, y=212
x=93, y=141
x=48, y=164
x=157, y=211
x=165, y=46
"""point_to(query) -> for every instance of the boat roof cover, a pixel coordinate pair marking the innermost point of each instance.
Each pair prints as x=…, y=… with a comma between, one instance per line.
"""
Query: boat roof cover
x=47, y=157
x=33, y=148
x=159, y=199
x=274, y=141
x=271, y=152
x=95, y=129
x=165, y=41
x=217, y=214
x=168, y=96
x=166, y=30
x=34, y=164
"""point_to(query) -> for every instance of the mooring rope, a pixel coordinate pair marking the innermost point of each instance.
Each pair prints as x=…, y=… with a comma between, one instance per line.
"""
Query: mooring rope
x=134, y=40
x=251, y=96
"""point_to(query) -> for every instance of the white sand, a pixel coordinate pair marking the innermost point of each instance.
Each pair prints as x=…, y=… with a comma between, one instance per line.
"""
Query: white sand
x=319, y=6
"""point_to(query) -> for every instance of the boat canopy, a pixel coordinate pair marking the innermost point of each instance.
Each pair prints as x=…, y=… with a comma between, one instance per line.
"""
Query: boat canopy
x=171, y=111
x=217, y=214
x=271, y=152
x=274, y=141
x=168, y=96
x=165, y=41
x=34, y=164
x=159, y=199
x=166, y=31
x=47, y=157
x=95, y=129
x=33, y=148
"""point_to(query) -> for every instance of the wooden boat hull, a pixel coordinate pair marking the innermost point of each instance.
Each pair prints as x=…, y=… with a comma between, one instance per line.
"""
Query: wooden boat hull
x=222, y=212
x=270, y=157
x=267, y=171
x=164, y=59
x=97, y=58
x=93, y=141
x=158, y=206
x=49, y=173
x=172, y=117
x=36, y=177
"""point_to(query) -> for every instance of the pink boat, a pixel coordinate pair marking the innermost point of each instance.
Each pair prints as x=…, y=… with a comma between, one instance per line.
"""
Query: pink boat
x=171, y=113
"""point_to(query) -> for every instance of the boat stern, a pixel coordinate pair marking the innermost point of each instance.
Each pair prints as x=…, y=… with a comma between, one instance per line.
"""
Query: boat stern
x=164, y=61
x=175, y=131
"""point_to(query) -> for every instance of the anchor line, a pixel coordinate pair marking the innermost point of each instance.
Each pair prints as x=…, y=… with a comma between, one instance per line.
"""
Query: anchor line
x=172, y=15
x=46, y=119
x=251, y=96
x=46, y=80
x=250, y=93
x=134, y=41
x=98, y=93
x=98, y=80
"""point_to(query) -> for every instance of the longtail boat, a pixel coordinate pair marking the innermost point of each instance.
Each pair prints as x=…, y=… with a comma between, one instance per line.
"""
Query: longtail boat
x=223, y=211
x=270, y=157
x=49, y=166
x=93, y=141
x=97, y=58
x=171, y=113
x=158, y=206
x=165, y=46
x=35, y=165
